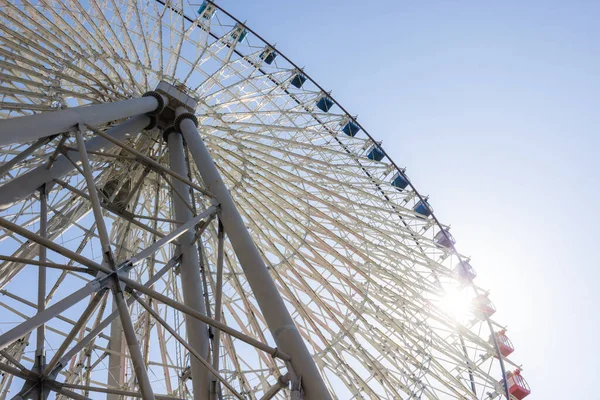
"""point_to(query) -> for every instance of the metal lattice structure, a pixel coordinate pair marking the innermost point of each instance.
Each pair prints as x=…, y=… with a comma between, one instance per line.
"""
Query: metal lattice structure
x=187, y=214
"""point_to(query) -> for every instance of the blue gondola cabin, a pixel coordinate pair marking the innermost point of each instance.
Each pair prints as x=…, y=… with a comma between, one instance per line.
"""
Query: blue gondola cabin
x=399, y=182
x=239, y=34
x=268, y=55
x=375, y=153
x=325, y=103
x=298, y=80
x=206, y=10
x=423, y=208
x=351, y=129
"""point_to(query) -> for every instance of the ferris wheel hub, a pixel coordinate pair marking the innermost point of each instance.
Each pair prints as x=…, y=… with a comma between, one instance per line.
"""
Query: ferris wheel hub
x=177, y=97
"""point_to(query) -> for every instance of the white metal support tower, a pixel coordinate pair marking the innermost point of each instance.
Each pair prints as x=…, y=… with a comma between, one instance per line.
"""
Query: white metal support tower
x=186, y=214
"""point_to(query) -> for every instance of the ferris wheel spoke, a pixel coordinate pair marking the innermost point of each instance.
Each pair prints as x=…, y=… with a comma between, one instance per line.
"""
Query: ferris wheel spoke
x=363, y=271
x=85, y=74
x=316, y=199
x=101, y=22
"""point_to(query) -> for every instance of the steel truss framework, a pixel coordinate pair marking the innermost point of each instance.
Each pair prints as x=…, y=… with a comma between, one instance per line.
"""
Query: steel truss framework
x=261, y=255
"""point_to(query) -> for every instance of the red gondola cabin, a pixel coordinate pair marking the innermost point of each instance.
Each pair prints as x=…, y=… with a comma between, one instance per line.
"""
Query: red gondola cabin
x=483, y=307
x=504, y=344
x=517, y=386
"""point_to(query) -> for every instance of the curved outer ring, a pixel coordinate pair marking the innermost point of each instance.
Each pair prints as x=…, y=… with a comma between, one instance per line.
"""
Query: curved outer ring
x=398, y=169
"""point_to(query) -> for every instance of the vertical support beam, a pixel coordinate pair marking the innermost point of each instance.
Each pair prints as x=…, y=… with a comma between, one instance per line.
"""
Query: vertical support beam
x=132, y=343
x=194, y=353
x=128, y=330
x=214, y=388
x=74, y=331
x=41, y=300
x=114, y=358
x=40, y=351
x=271, y=304
x=191, y=282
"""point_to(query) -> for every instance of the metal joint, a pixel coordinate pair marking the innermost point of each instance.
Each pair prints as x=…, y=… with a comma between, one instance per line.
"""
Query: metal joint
x=168, y=131
x=181, y=117
x=152, y=124
x=159, y=99
x=275, y=353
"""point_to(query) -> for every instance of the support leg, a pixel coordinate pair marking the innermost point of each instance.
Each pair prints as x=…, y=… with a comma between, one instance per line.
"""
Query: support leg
x=128, y=330
x=191, y=282
x=40, y=352
x=214, y=388
x=271, y=304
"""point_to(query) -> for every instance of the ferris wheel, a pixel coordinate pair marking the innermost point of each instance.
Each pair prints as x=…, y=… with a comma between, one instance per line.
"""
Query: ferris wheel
x=186, y=214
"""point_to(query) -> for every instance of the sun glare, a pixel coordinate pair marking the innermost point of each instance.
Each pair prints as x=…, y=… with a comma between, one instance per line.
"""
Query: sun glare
x=457, y=303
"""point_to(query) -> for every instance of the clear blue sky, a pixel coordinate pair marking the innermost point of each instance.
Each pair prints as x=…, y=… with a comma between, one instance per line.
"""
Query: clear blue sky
x=493, y=107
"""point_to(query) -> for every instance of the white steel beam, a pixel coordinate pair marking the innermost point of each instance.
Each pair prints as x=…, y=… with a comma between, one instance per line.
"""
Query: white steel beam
x=218, y=297
x=32, y=127
x=106, y=321
x=47, y=314
x=282, y=327
x=191, y=282
x=194, y=353
x=26, y=184
x=274, y=352
x=126, y=323
x=22, y=155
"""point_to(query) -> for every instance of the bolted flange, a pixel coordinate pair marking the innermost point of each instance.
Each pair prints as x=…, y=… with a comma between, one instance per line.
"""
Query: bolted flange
x=159, y=99
x=168, y=130
x=183, y=116
x=152, y=124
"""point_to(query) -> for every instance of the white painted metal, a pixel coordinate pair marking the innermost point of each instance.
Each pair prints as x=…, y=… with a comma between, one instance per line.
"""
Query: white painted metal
x=191, y=283
x=280, y=323
x=358, y=270
x=23, y=186
x=27, y=128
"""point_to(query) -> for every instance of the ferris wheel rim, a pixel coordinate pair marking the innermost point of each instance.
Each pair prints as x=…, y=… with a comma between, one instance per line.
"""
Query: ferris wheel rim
x=440, y=226
x=398, y=170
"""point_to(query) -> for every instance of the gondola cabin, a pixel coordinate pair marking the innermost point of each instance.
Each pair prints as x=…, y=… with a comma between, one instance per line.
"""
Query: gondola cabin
x=375, y=153
x=483, y=307
x=466, y=272
x=423, y=208
x=240, y=34
x=206, y=10
x=350, y=129
x=399, y=182
x=325, y=103
x=444, y=239
x=517, y=386
x=268, y=55
x=298, y=80
x=504, y=344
